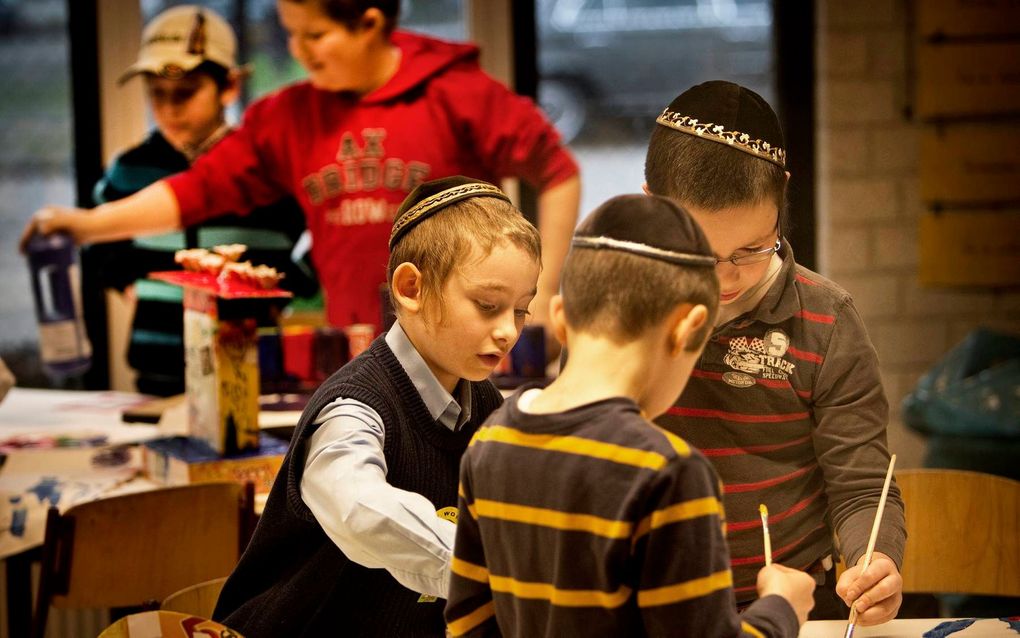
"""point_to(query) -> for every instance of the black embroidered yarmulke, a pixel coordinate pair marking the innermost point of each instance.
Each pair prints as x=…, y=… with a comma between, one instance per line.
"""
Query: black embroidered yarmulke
x=729, y=114
x=646, y=225
x=430, y=197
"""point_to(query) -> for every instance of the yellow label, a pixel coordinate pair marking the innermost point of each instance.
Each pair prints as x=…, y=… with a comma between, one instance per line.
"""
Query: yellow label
x=448, y=513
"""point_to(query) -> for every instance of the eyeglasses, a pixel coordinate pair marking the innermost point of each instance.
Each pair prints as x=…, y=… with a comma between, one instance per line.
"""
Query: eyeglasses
x=756, y=256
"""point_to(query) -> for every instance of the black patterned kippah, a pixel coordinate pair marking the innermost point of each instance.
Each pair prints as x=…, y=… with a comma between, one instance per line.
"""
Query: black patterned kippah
x=729, y=114
x=649, y=226
x=429, y=198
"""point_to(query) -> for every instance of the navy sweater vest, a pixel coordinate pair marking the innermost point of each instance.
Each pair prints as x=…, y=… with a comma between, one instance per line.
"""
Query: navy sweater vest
x=293, y=580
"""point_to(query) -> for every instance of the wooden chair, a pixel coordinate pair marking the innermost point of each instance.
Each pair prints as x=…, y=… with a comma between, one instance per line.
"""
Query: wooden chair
x=135, y=550
x=197, y=600
x=963, y=532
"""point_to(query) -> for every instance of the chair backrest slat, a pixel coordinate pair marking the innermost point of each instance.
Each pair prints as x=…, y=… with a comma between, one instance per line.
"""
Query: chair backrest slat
x=963, y=532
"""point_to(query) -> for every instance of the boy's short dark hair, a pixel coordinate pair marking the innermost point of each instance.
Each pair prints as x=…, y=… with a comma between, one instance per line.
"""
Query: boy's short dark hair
x=442, y=242
x=348, y=12
x=689, y=162
x=619, y=294
x=219, y=74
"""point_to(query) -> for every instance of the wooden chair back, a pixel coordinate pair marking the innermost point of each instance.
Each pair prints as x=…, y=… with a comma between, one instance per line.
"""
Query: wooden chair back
x=166, y=624
x=135, y=550
x=963, y=532
x=197, y=600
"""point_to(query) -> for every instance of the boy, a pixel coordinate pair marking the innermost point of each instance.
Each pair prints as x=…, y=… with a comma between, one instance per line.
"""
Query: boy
x=188, y=94
x=375, y=456
x=786, y=400
x=578, y=516
x=382, y=111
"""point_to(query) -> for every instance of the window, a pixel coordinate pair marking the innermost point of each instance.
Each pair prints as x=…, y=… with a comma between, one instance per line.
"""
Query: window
x=607, y=68
x=35, y=156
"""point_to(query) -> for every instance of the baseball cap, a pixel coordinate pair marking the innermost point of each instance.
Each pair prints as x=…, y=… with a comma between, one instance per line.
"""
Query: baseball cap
x=179, y=39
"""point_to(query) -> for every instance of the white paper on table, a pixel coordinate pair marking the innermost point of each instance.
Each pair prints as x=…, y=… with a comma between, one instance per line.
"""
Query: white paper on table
x=73, y=414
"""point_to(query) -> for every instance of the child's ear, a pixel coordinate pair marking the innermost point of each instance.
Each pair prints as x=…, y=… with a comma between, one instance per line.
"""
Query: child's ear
x=687, y=320
x=645, y=188
x=407, y=287
x=557, y=319
x=232, y=90
x=371, y=19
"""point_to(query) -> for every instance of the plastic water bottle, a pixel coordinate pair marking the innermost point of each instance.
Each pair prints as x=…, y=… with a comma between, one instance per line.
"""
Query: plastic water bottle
x=56, y=287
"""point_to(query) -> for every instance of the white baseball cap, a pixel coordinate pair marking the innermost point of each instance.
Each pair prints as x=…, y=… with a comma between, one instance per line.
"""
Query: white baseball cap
x=179, y=39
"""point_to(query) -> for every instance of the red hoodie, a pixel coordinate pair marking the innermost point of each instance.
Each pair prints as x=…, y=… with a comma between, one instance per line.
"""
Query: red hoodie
x=350, y=161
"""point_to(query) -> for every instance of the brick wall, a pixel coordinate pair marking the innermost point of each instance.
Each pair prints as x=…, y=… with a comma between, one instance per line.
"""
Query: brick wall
x=868, y=204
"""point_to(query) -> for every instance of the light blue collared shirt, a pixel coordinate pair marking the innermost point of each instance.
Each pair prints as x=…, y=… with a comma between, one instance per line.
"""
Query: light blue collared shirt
x=344, y=483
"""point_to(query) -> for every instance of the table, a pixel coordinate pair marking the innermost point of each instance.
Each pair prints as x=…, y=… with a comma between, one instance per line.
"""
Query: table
x=83, y=451
x=914, y=628
x=78, y=458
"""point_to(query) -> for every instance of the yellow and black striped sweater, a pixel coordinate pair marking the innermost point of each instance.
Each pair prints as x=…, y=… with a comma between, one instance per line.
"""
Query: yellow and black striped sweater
x=593, y=522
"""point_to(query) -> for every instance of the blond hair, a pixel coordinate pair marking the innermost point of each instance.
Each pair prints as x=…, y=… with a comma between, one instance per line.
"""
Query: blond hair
x=438, y=245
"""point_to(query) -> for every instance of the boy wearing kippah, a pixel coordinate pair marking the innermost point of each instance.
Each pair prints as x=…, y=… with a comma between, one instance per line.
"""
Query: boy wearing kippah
x=578, y=516
x=786, y=400
x=357, y=533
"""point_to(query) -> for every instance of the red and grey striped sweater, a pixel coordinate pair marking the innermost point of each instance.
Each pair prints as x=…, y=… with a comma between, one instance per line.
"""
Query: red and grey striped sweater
x=787, y=403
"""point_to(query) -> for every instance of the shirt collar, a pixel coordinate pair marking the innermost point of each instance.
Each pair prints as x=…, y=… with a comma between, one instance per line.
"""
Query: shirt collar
x=440, y=403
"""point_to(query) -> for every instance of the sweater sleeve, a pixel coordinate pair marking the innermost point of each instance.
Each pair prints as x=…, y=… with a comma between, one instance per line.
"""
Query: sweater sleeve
x=241, y=172
x=469, y=605
x=851, y=412
x=685, y=579
x=510, y=134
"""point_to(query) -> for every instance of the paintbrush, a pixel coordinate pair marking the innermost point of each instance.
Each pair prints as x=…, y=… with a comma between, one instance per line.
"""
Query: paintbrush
x=764, y=511
x=852, y=622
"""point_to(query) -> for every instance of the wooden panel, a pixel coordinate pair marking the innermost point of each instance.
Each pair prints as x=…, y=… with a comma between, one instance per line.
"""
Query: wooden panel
x=970, y=248
x=970, y=164
x=962, y=18
x=963, y=532
x=956, y=80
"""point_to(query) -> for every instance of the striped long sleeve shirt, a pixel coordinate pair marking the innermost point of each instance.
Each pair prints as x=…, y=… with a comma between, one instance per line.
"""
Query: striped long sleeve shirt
x=786, y=401
x=593, y=522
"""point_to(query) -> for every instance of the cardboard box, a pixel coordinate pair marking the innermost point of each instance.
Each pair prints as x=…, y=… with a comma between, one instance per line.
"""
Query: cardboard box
x=221, y=358
x=970, y=164
x=183, y=460
x=221, y=375
x=967, y=18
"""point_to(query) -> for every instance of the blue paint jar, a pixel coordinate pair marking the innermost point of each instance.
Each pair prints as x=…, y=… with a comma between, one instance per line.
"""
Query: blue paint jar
x=56, y=287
